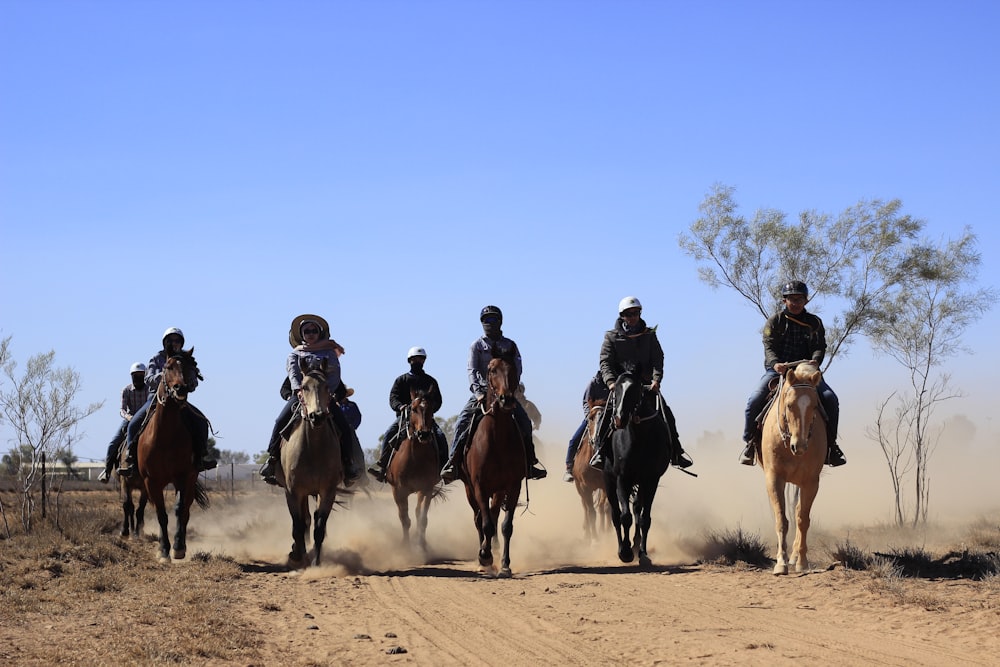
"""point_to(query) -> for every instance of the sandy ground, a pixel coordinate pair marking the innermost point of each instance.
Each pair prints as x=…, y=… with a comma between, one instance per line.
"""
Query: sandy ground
x=573, y=602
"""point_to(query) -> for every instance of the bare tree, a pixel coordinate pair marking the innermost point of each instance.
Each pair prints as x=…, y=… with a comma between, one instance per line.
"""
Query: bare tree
x=226, y=457
x=854, y=258
x=922, y=326
x=39, y=408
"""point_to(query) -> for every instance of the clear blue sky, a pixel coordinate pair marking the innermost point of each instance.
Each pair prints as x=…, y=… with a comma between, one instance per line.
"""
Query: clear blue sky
x=395, y=166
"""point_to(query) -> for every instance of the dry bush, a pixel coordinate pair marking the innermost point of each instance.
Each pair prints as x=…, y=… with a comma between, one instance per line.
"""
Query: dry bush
x=729, y=547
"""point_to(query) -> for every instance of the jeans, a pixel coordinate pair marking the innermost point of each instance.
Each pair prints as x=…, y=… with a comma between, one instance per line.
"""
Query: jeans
x=574, y=443
x=757, y=400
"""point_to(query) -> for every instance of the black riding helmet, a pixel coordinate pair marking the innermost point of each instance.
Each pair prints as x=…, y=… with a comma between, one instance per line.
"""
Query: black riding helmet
x=490, y=310
x=795, y=287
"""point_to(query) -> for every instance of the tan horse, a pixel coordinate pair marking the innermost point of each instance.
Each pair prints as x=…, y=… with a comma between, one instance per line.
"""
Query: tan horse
x=589, y=480
x=792, y=451
x=310, y=465
x=414, y=468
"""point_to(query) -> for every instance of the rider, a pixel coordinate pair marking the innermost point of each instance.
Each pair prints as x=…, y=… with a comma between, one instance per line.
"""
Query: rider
x=134, y=396
x=413, y=381
x=792, y=334
x=309, y=337
x=596, y=391
x=196, y=422
x=480, y=354
x=632, y=342
x=530, y=408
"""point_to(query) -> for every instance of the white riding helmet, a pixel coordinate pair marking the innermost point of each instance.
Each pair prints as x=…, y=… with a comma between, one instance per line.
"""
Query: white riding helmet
x=173, y=330
x=628, y=302
x=138, y=367
x=416, y=352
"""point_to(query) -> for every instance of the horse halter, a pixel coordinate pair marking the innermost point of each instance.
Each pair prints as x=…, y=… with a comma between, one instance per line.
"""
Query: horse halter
x=424, y=434
x=324, y=405
x=178, y=393
x=786, y=435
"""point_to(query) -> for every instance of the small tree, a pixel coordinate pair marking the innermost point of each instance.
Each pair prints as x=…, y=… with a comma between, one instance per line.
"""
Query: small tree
x=227, y=457
x=39, y=407
x=920, y=327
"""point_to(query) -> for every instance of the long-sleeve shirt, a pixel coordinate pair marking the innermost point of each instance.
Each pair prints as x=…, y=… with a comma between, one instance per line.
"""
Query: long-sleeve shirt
x=480, y=355
x=132, y=400
x=313, y=357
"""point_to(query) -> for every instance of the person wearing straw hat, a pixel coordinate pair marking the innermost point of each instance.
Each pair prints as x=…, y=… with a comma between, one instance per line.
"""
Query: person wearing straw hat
x=310, y=339
x=134, y=396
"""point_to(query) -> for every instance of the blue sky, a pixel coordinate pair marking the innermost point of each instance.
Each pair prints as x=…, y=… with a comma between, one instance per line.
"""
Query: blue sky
x=395, y=166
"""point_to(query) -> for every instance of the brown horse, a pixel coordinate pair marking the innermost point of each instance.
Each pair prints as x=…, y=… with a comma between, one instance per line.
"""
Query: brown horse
x=133, y=519
x=588, y=479
x=495, y=464
x=414, y=468
x=310, y=465
x=165, y=454
x=793, y=450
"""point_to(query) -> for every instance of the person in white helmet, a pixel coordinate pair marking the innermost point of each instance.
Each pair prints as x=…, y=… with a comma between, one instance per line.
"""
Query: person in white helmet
x=309, y=336
x=196, y=422
x=134, y=396
x=480, y=354
x=631, y=342
x=414, y=380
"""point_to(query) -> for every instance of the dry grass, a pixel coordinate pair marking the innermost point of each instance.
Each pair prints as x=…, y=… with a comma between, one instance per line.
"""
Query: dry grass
x=185, y=610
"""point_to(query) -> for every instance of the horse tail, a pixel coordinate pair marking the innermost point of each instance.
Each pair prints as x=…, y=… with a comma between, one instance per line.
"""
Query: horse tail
x=201, y=495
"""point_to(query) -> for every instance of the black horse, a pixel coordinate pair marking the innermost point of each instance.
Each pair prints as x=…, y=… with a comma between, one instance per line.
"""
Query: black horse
x=639, y=457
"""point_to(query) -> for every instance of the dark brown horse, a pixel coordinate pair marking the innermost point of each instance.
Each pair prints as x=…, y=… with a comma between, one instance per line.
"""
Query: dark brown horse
x=415, y=468
x=310, y=465
x=588, y=479
x=495, y=464
x=165, y=452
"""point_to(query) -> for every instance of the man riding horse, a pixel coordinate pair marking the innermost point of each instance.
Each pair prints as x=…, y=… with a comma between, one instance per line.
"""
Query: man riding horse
x=632, y=344
x=792, y=334
x=480, y=353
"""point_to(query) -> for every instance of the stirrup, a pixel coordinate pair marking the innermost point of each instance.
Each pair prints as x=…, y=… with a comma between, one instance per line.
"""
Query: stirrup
x=103, y=477
x=835, y=457
x=534, y=472
x=448, y=473
x=377, y=472
x=597, y=461
x=682, y=460
x=568, y=475
x=749, y=454
x=127, y=471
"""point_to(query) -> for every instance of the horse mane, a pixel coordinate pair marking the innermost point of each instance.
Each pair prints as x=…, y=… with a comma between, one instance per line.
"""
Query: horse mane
x=805, y=373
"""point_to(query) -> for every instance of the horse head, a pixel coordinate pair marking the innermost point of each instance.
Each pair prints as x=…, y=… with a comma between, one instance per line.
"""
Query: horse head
x=421, y=417
x=315, y=393
x=180, y=375
x=628, y=395
x=799, y=405
x=501, y=376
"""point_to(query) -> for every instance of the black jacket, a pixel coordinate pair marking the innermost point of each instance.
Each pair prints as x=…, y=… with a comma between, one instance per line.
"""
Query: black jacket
x=399, y=395
x=641, y=349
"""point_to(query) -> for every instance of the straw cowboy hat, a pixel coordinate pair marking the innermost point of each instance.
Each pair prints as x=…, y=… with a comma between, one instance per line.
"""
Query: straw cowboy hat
x=295, y=335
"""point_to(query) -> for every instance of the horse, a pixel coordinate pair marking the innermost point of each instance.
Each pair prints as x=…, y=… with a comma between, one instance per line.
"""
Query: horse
x=414, y=468
x=165, y=454
x=133, y=519
x=588, y=480
x=310, y=464
x=639, y=448
x=793, y=451
x=495, y=463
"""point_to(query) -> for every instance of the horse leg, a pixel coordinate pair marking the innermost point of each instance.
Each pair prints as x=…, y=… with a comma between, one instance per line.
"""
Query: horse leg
x=644, y=512
x=508, y=530
x=807, y=494
x=589, y=516
x=296, y=557
x=128, y=510
x=403, y=510
x=776, y=492
x=320, y=520
x=161, y=516
x=421, y=508
x=140, y=514
x=487, y=530
x=183, y=512
x=625, y=552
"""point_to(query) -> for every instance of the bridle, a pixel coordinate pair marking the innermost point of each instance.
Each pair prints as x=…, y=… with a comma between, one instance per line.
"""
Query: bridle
x=783, y=429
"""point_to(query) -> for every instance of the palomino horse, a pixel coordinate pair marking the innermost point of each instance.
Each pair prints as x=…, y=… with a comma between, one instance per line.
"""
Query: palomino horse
x=588, y=480
x=793, y=450
x=415, y=468
x=165, y=454
x=310, y=464
x=495, y=463
x=133, y=518
x=639, y=448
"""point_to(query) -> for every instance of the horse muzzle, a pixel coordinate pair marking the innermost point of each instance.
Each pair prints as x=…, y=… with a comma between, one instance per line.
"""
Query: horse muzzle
x=315, y=418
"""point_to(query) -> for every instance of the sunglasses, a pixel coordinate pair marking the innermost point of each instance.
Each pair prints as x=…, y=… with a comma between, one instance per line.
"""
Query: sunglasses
x=307, y=332
x=492, y=319
x=631, y=313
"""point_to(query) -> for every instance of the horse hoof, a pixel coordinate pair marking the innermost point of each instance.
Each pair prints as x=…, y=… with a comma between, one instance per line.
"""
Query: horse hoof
x=626, y=555
x=645, y=560
x=485, y=559
x=504, y=573
x=179, y=555
x=164, y=558
x=780, y=569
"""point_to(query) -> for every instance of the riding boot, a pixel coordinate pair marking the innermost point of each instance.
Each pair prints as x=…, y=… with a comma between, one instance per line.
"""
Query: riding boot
x=267, y=471
x=449, y=473
x=200, y=460
x=834, y=455
x=378, y=470
x=749, y=454
x=534, y=470
x=568, y=475
x=129, y=468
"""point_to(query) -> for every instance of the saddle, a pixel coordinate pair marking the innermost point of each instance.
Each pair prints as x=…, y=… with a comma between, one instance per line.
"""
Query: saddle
x=772, y=394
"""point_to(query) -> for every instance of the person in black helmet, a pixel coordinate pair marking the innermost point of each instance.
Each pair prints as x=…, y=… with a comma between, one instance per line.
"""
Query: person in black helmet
x=792, y=334
x=196, y=422
x=480, y=354
x=407, y=384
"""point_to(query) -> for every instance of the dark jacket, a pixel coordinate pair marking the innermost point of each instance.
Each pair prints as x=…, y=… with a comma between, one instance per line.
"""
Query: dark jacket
x=399, y=395
x=641, y=349
x=790, y=337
